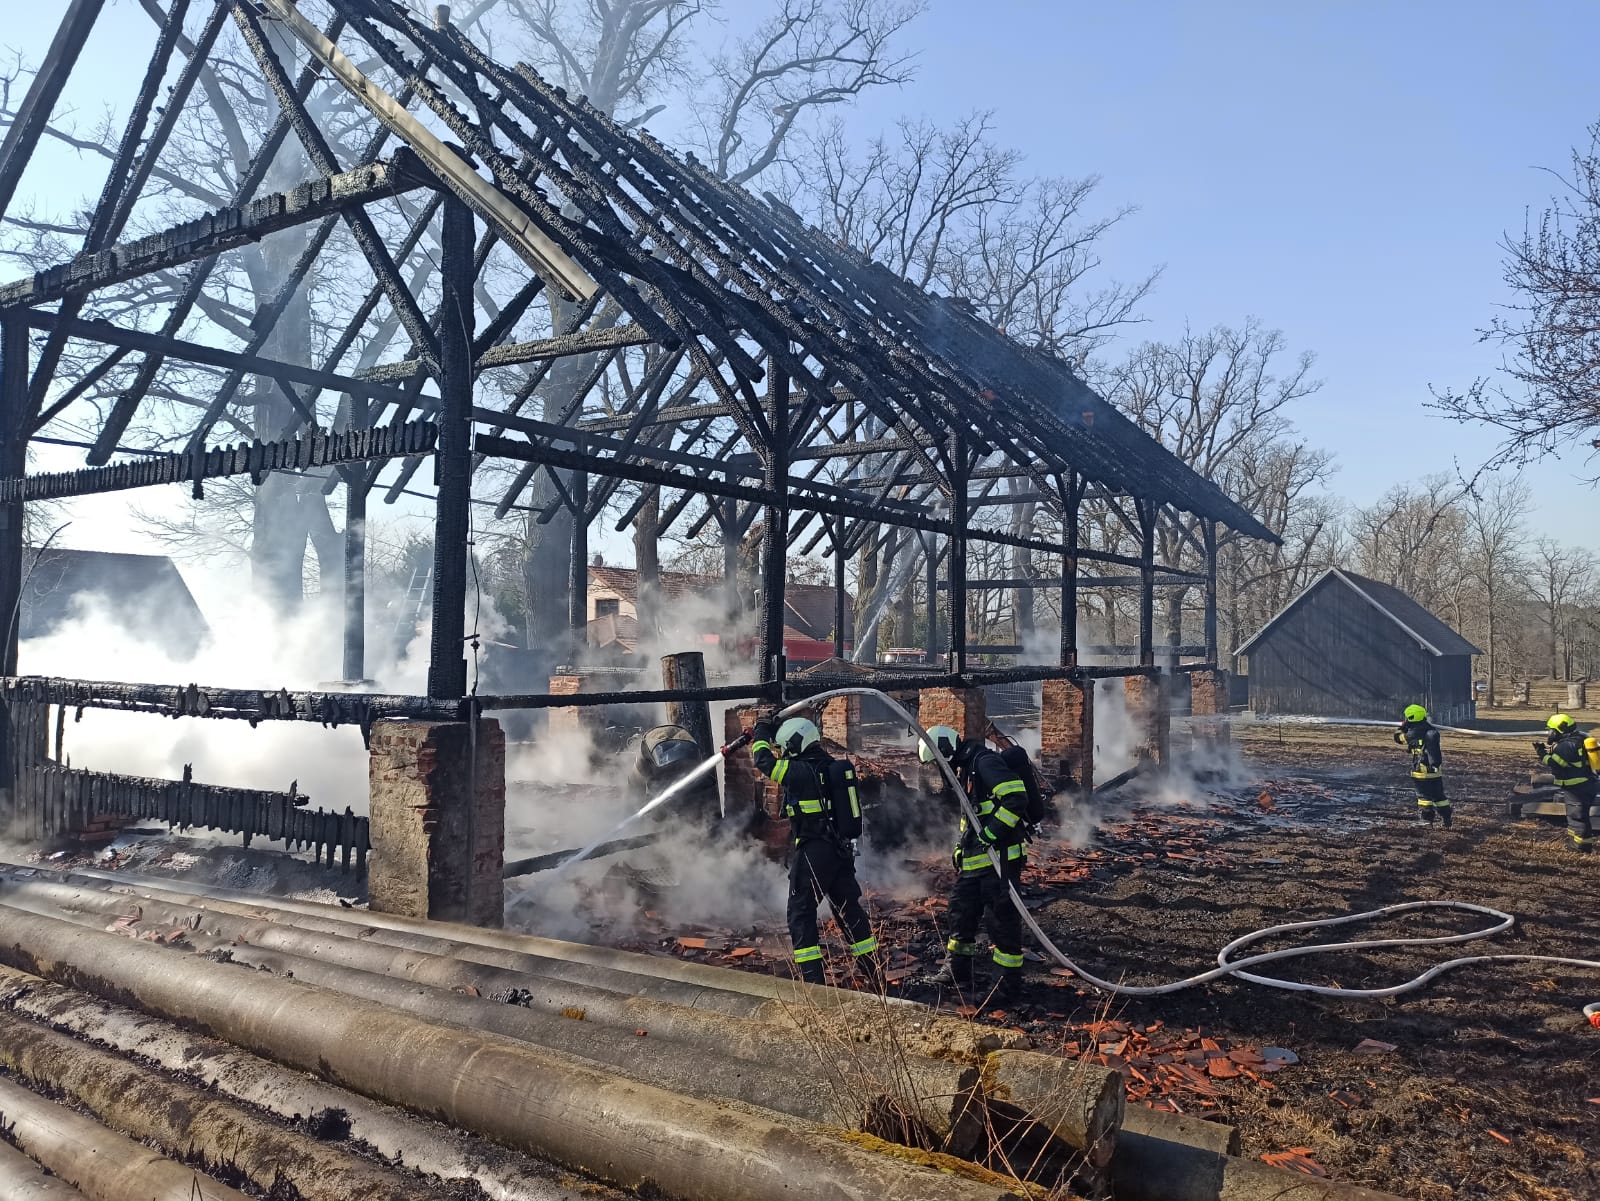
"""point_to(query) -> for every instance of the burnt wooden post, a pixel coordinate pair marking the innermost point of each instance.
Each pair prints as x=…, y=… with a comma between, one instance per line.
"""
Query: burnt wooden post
x=34, y=112
x=775, y=531
x=1071, y=500
x=1208, y=531
x=958, y=553
x=687, y=671
x=578, y=589
x=447, y=666
x=14, y=419
x=355, y=555
x=1147, y=582
x=728, y=521
x=930, y=551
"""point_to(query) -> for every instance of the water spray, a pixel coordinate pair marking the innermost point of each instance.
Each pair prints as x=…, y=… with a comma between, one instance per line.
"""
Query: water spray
x=1226, y=964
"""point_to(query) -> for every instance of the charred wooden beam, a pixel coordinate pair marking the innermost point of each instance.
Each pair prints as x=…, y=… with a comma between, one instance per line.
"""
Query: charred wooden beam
x=211, y=356
x=33, y=115
x=242, y=704
x=511, y=354
x=315, y=449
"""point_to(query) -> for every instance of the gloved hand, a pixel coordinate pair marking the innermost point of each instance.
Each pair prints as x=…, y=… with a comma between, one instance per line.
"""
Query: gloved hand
x=1400, y=736
x=764, y=729
x=1541, y=749
x=955, y=859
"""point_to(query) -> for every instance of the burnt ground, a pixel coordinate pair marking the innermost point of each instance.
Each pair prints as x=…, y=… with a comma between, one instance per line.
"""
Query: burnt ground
x=1492, y=1088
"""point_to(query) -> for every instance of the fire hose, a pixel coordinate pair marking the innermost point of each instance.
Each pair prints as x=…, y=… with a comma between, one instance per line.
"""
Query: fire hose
x=1227, y=965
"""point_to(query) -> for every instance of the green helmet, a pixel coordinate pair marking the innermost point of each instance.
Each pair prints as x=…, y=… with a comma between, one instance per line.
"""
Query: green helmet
x=797, y=736
x=942, y=737
x=1415, y=713
x=1560, y=723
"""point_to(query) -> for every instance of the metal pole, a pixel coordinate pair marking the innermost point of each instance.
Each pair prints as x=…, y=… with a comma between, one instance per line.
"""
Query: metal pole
x=958, y=554
x=775, y=531
x=1208, y=532
x=447, y=668
x=1147, y=583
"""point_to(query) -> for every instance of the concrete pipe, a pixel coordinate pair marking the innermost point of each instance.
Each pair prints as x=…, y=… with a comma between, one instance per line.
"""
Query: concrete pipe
x=661, y=988
x=1152, y=1169
x=23, y=1180
x=818, y=1070
x=646, y=967
x=99, y=1163
x=1080, y=1104
x=852, y=1094
x=294, y=1096
x=1181, y=1128
x=154, y=1108
x=527, y=1097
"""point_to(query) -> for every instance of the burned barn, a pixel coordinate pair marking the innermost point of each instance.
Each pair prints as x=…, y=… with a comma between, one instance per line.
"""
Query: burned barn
x=1349, y=646
x=548, y=315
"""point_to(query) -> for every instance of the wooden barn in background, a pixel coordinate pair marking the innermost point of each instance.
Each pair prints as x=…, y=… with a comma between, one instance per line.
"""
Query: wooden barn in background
x=1351, y=647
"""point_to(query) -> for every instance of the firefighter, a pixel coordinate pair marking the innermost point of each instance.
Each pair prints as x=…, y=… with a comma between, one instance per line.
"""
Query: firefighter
x=1421, y=738
x=1002, y=800
x=824, y=812
x=1571, y=757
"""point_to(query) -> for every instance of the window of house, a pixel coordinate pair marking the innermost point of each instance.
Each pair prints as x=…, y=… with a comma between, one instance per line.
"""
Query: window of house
x=607, y=606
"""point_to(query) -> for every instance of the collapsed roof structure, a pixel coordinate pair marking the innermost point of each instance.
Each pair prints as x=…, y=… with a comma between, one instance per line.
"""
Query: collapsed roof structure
x=670, y=330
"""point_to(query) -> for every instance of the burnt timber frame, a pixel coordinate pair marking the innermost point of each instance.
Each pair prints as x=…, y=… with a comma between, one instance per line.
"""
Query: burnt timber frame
x=727, y=355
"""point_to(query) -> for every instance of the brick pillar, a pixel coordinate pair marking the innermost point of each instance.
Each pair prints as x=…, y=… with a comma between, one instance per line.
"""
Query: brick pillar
x=1208, y=706
x=745, y=791
x=1066, y=733
x=576, y=719
x=841, y=721
x=1146, y=699
x=424, y=779
x=962, y=709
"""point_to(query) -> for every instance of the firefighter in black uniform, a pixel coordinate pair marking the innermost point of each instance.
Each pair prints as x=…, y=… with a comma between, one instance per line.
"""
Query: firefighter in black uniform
x=1004, y=804
x=1421, y=738
x=824, y=812
x=1570, y=756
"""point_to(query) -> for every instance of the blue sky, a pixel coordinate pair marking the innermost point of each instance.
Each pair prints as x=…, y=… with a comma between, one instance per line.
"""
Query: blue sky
x=1341, y=170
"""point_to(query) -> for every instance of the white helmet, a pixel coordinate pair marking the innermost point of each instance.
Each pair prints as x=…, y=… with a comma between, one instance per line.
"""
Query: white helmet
x=942, y=737
x=797, y=736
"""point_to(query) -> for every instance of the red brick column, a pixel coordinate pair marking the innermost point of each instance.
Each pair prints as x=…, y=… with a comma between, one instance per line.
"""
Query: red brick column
x=841, y=721
x=1146, y=699
x=576, y=719
x=962, y=709
x=1209, y=706
x=1066, y=733
x=424, y=777
x=744, y=789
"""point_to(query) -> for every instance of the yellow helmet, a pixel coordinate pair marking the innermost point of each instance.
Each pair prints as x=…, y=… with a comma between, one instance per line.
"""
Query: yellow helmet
x=1560, y=723
x=1415, y=713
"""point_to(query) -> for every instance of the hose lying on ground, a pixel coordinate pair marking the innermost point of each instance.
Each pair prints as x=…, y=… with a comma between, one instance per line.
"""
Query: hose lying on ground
x=1226, y=965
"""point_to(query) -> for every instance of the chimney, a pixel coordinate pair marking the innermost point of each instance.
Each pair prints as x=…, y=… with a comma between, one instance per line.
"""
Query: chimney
x=441, y=17
x=599, y=560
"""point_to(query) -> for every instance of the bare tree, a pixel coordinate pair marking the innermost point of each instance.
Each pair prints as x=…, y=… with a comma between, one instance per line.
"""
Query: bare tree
x=1414, y=538
x=1494, y=563
x=1217, y=399
x=1551, y=331
x=1563, y=575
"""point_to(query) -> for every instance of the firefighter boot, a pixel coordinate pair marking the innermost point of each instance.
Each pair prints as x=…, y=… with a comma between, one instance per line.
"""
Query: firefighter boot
x=1009, y=987
x=1580, y=844
x=955, y=972
x=813, y=972
x=1444, y=815
x=871, y=973
x=1424, y=813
